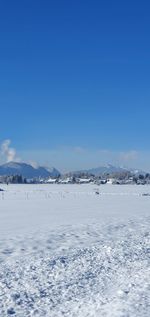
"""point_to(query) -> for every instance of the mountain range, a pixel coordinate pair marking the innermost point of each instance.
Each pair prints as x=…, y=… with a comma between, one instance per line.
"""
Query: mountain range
x=108, y=169
x=27, y=170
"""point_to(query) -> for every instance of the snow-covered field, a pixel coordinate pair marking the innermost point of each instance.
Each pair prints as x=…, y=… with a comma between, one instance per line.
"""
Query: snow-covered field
x=67, y=251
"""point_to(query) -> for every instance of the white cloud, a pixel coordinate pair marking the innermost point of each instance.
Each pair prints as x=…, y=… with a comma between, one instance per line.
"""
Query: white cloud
x=76, y=158
x=8, y=153
x=33, y=164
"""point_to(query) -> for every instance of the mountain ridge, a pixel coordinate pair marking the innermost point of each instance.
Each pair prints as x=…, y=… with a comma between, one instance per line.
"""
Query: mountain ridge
x=27, y=170
x=110, y=169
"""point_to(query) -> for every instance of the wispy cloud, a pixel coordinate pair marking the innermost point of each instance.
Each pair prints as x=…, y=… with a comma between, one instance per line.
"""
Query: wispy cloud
x=78, y=157
x=79, y=150
x=129, y=156
x=33, y=164
x=7, y=152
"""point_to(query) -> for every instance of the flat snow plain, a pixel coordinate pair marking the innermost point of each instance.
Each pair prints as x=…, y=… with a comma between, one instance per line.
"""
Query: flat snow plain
x=67, y=251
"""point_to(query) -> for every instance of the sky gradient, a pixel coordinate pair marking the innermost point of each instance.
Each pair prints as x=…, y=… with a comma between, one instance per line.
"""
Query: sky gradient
x=75, y=81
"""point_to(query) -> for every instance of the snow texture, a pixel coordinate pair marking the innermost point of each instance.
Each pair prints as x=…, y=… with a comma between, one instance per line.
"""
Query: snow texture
x=67, y=251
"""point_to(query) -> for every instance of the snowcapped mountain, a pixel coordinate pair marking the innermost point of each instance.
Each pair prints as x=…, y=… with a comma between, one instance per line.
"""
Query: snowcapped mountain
x=106, y=169
x=109, y=169
x=27, y=171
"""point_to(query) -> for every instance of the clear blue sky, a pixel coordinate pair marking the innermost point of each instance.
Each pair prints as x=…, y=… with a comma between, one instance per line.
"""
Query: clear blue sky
x=75, y=74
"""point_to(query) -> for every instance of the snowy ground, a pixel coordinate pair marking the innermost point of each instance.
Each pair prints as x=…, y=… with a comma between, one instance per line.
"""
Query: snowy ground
x=67, y=251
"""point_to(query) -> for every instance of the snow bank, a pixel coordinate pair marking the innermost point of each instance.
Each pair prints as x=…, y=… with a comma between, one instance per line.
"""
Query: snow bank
x=65, y=251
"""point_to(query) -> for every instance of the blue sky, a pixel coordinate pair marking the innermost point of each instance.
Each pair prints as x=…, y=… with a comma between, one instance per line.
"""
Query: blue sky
x=75, y=81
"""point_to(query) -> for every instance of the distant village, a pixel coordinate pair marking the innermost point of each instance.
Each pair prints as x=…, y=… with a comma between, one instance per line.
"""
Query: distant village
x=119, y=178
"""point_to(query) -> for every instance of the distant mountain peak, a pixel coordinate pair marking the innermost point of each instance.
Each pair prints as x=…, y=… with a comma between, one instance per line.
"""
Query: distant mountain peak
x=27, y=170
x=108, y=168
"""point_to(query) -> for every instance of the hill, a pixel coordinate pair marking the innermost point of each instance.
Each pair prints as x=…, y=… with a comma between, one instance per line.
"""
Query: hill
x=27, y=171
